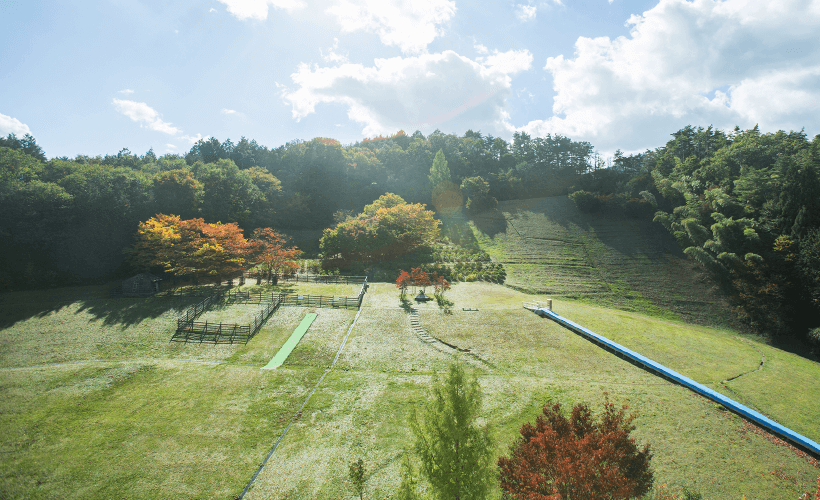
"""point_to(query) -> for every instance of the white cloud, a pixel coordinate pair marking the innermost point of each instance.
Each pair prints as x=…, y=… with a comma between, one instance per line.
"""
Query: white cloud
x=145, y=115
x=9, y=125
x=408, y=24
x=412, y=93
x=125, y=91
x=510, y=62
x=525, y=12
x=193, y=138
x=232, y=112
x=623, y=92
x=332, y=55
x=258, y=9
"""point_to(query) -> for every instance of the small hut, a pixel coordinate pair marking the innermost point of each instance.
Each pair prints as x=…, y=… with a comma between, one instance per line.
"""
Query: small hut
x=141, y=285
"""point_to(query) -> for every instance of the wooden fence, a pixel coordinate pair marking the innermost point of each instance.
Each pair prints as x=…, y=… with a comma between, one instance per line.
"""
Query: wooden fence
x=195, y=310
x=190, y=330
x=310, y=278
x=249, y=297
x=292, y=299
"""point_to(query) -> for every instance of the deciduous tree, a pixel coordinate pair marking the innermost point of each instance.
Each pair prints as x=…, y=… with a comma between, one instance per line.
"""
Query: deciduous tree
x=190, y=247
x=271, y=254
x=386, y=229
x=576, y=457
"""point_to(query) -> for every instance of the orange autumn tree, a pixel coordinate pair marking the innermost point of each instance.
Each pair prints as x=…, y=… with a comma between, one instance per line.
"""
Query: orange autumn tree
x=271, y=254
x=576, y=457
x=191, y=247
x=386, y=229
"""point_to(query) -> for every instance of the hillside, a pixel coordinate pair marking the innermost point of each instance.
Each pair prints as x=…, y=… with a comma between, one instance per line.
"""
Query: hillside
x=98, y=403
x=549, y=247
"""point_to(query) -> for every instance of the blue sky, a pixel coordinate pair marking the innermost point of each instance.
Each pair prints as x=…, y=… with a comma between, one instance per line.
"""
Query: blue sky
x=95, y=77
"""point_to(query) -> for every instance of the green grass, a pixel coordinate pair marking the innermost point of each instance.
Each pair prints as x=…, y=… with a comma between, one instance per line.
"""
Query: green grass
x=359, y=412
x=97, y=403
x=548, y=247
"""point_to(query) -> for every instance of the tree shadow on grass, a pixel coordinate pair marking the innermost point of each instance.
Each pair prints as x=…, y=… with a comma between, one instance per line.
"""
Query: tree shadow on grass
x=490, y=222
x=128, y=311
x=25, y=304
x=406, y=305
x=95, y=300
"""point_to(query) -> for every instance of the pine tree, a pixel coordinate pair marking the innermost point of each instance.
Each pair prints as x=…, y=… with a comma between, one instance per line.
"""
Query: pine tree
x=445, y=193
x=455, y=453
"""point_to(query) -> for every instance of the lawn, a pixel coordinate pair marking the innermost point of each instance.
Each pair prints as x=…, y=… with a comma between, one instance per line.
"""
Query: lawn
x=99, y=404
x=548, y=247
x=360, y=409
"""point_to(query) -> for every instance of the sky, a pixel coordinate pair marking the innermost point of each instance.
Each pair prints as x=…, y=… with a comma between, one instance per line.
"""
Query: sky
x=94, y=77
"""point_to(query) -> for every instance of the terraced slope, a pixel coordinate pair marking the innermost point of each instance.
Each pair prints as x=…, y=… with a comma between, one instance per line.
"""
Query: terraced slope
x=549, y=247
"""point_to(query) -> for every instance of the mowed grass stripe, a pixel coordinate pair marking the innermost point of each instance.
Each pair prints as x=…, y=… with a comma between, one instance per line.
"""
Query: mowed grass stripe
x=291, y=343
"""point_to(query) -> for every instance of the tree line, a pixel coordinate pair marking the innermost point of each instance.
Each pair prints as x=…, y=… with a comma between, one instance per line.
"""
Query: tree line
x=69, y=220
x=744, y=204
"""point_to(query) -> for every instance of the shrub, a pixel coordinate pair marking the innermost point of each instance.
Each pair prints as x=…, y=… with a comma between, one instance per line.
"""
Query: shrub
x=585, y=201
x=814, y=339
x=638, y=208
x=356, y=476
x=576, y=457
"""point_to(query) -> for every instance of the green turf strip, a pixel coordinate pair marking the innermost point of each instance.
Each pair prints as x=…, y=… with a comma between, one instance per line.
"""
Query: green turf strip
x=288, y=347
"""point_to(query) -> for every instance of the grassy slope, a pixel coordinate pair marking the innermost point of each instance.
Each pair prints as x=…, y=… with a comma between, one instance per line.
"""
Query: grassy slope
x=549, y=247
x=97, y=403
x=127, y=413
x=385, y=370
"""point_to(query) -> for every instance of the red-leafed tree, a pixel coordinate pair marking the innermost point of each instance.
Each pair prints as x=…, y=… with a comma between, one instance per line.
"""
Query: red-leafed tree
x=271, y=254
x=403, y=282
x=576, y=457
x=421, y=279
x=440, y=285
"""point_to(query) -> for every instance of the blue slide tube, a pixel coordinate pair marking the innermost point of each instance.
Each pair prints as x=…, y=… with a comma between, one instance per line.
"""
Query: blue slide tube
x=738, y=408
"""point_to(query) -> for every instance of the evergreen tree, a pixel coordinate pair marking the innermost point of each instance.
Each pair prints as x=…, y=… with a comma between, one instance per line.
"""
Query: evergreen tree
x=439, y=174
x=455, y=453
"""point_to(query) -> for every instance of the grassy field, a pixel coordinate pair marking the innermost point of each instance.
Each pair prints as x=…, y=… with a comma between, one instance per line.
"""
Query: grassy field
x=548, y=247
x=97, y=403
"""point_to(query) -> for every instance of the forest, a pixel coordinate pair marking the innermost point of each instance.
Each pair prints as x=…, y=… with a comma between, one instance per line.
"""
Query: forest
x=744, y=204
